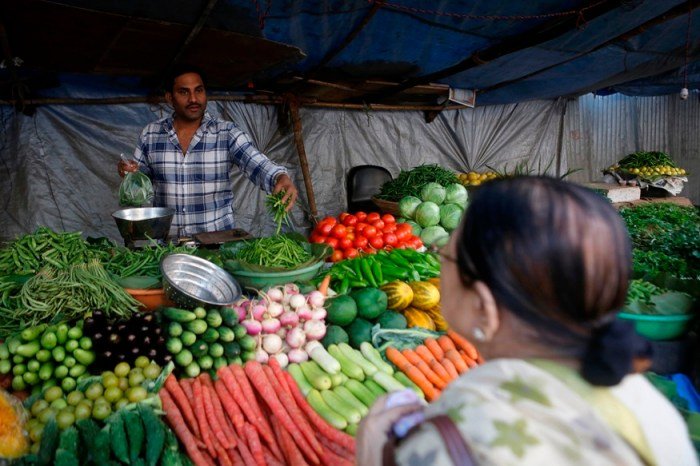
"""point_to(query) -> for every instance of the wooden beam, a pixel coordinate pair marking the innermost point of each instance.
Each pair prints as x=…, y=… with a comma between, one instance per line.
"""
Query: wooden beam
x=531, y=38
x=303, y=161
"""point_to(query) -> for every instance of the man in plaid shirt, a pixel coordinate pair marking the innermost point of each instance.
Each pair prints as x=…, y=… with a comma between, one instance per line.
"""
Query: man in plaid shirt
x=189, y=157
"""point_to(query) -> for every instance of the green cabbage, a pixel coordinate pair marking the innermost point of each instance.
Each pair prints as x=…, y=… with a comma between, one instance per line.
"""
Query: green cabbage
x=135, y=190
x=408, y=205
x=456, y=194
x=433, y=235
x=433, y=192
x=450, y=215
x=428, y=214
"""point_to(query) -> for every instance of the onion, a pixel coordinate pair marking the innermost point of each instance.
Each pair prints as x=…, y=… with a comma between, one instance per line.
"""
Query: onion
x=253, y=327
x=316, y=299
x=297, y=356
x=242, y=313
x=314, y=329
x=261, y=356
x=259, y=312
x=275, y=309
x=282, y=359
x=297, y=301
x=272, y=344
x=318, y=314
x=275, y=295
x=296, y=338
x=282, y=333
x=304, y=313
x=289, y=319
x=270, y=325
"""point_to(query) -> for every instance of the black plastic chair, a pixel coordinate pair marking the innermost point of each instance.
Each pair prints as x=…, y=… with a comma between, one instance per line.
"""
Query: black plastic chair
x=363, y=182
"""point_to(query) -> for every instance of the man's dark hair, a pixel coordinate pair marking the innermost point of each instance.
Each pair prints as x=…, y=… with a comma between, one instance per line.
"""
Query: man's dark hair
x=179, y=70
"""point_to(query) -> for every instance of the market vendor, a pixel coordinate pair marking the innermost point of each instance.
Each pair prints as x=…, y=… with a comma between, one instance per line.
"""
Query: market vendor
x=189, y=157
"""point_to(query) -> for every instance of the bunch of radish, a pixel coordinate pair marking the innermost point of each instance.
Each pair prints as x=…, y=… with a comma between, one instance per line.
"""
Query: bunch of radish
x=283, y=320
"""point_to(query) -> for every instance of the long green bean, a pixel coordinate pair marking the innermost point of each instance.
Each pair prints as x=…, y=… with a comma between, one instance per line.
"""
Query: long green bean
x=278, y=209
x=144, y=262
x=273, y=251
x=409, y=183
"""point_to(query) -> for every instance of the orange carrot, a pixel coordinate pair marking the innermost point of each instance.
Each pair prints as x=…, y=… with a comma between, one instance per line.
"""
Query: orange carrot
x=291, y=452
x=201, y=417
x=215, y=414
x=235, y=457
x=182, y=402
x=177, y=423
x=247, y=456
x=222, y=456
x=337, y=449
x=435, y=365
x=270, y=459
x=446, y=343
x=323, y=286
x=229, y=404
x=434, y=348
x=186, y=385
x=457, y=360
x=262, y=424
x=414, y=359
x=307, y=441
x=412, y=373
x=451, y=369
x=326, y=430
x=255, y=446
x=329, y=458
x=463, y=344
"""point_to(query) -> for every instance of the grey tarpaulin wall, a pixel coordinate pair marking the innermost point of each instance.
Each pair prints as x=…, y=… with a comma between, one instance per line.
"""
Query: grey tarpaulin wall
x=58, y=166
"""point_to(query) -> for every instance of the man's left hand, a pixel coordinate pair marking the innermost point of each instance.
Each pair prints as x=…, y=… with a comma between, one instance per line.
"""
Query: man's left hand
x=284, y=183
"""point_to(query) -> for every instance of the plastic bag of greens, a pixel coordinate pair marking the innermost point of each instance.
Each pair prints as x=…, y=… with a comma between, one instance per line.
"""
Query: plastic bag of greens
x=136, y=189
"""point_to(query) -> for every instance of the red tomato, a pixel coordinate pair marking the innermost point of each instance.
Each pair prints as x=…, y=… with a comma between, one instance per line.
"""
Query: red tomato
x=350, y=253
x=324, y=228
x=369, y=231
x=360, y=226
x=349, y=220
x=361, y=216
x=345, y=243
x=404, y=226
x=316, y=238
x=339, y=231
x=378, y=224
x=390, y=239
x=331, y=220
x=403, y=234
x=360, y=242
x=389, y=228
x=332, y=242
x=377, y=242
x=388, y=218
x=337, y=256
x=372, y=217
x=414, y=243
x=342, y=216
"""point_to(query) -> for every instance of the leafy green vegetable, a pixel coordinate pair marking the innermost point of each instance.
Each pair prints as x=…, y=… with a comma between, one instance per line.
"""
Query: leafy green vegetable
x=641, y=159
x=456, y=194
x=427, y=214
x=450, y=216
x=434, y=235
x=135, y=190
x=433, y=192
x=410, y=183
x=408, y=206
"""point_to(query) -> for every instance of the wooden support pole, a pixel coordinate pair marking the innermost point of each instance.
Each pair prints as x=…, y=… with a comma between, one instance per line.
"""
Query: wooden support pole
x=299, y=142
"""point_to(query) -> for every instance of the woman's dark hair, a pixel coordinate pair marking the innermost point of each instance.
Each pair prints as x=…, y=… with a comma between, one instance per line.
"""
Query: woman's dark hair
x=179, y=70
x=554, y=254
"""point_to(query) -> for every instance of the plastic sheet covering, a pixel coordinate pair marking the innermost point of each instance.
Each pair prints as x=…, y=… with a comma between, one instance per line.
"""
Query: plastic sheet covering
x=59, y=166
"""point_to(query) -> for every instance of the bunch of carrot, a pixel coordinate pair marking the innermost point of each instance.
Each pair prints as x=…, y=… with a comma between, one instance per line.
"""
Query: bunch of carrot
x=436, y=363
x=251, y=415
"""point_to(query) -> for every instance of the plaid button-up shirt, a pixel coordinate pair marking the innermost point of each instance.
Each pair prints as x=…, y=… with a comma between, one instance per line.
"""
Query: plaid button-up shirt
x=198, y=185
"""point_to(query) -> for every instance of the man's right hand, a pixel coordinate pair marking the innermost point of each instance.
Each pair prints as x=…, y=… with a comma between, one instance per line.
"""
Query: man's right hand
x=125, y=166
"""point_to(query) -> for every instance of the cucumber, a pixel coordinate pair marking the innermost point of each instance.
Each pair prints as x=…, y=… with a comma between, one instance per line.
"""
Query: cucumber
x=5, y=366
x=372, y=355
x=46, y=371
x=4, y=352
x=84, y=357
x=174, y=345
x=342, y=407
x=219, y=363
x=13, y=343
x=229, y=316
x=33, y=365
x=214, y=319
x=60, y=372
x=232, y=350
x=211, y=335
x=355, y=356
x=348, y=397
x=298, y=376
x=319, y=354
x=32, y=333
x=75, y=333
x=197, y=326
x=17, y=359
x=71, y=345
x=188, y=338
x=247, y=356
x=62, y=333
x=192, y=369
x=183, y=358
x=226, y=335
x=348, y=367
x=315, y=375
x=199, y=349
x=336, y=379
x=174, y=329
x=361, y=392
x=200, y=312
x=408, y=383
x=178, y=315
x=239, y=331
x=247, y=342
x=49, y=340
x=351, y=429
x=28, y=350
x=316, y=401
x=387, y=382
x=216, y=350
x=77, y=370
x=374, y=387
x=42, y=355
x=206, y=362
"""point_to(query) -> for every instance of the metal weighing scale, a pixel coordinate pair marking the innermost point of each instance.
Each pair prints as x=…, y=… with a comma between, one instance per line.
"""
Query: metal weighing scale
x=144, y=226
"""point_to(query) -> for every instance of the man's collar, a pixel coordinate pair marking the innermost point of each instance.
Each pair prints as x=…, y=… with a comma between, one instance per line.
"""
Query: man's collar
x=207, y=120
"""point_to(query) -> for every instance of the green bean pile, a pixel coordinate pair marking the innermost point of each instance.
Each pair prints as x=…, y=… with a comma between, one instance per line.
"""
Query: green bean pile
x=144, y=262
x=642, y=291
x=70, y=293
x=409, y=183
x=274, y=251
x=277, y=209
x=29, y=253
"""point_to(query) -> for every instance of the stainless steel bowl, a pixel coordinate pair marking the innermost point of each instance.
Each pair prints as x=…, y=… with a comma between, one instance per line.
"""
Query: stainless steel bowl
x=191, y=281
x=140, y=223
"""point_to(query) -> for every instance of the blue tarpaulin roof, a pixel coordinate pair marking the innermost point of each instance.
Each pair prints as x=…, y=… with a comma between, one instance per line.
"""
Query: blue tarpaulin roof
x=510, y=51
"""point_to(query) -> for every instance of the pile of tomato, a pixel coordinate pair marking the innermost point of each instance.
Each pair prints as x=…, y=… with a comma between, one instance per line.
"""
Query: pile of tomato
x=350, y=234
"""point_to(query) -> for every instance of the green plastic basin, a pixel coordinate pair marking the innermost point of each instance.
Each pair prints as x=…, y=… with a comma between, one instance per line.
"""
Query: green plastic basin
x=258, y=280
x=659, y=327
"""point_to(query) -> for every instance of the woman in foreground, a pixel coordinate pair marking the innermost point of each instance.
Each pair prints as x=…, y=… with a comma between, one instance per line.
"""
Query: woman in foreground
x=534, y=277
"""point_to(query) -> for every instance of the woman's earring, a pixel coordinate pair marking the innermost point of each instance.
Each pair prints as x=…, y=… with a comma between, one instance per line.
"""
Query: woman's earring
x=479, y=334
